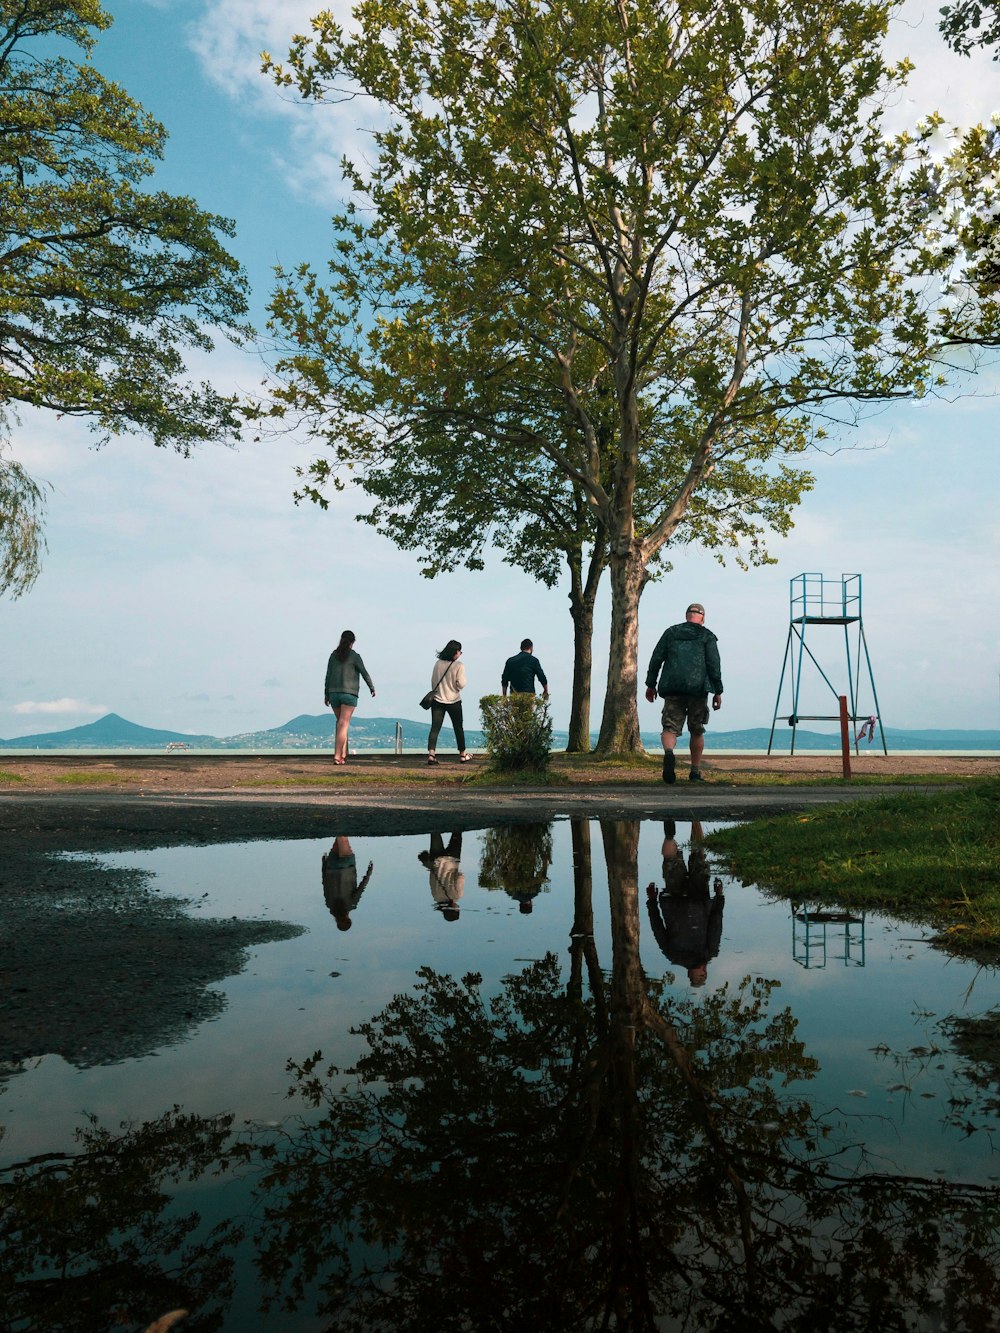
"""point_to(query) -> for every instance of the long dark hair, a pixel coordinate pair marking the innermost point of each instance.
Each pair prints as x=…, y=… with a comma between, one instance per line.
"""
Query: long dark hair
x=450, y=651
x=343, y=648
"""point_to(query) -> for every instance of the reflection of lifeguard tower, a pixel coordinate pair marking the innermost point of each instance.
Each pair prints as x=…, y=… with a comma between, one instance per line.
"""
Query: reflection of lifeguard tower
x=815, y=601
x=810, y=946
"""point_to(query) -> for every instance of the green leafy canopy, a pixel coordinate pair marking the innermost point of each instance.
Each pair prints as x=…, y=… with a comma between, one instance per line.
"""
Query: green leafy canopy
x=105, y=284
x=655, y=249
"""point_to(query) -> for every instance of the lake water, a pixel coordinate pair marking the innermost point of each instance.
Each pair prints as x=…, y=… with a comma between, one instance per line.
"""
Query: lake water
x=576, y=1137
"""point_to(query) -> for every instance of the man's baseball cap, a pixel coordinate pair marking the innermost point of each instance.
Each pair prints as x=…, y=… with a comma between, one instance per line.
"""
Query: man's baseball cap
x=695, y=606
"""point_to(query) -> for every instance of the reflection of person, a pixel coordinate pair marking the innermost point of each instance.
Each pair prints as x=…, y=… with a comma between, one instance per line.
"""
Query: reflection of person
x=340, y=691
x=340, y=881
x=686, y=918
x=447, y=683
x=447, y=879
x=687, y=662
x=522, y=670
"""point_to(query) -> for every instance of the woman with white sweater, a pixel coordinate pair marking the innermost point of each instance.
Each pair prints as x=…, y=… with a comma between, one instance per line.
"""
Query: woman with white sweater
x=447, y=683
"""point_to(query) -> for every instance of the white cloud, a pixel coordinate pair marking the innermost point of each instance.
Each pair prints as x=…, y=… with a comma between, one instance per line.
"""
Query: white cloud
x=228, y=41
x=61, y=706
x=230, y=36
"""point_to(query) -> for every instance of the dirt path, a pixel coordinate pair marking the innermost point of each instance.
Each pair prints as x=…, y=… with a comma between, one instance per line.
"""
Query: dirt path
x=50, y=803
x=228, y=773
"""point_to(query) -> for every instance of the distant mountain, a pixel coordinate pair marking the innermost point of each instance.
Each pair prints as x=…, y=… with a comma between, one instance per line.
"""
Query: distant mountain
x=307, y=731
x=108, y=732
x=367, y=733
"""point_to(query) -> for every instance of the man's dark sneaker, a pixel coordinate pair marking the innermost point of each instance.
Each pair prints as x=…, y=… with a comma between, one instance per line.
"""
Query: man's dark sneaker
x=695, y=776
x=668, y=766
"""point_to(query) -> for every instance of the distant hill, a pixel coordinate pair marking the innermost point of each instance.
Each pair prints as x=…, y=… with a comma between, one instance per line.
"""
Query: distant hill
x=303, y=732
x=367, y=733
x=307, y=731
x=108, y=732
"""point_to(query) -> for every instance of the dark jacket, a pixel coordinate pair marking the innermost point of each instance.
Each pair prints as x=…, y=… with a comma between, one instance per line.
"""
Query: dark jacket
x=687, y=661
x=345, y=677
x=520, y=673
x=687, y=919
x=688, y=930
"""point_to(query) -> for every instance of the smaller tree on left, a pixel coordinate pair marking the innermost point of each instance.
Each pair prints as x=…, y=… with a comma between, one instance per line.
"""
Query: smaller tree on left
x=104, y=286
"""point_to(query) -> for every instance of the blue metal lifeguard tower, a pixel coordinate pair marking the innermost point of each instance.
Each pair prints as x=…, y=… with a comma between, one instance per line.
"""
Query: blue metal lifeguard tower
x=816, y=600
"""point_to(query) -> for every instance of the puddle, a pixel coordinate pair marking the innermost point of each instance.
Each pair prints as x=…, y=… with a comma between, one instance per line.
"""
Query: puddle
x=552, y=1123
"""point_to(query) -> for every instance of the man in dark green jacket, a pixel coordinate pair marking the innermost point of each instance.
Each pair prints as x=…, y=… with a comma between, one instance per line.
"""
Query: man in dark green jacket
x=686, y=660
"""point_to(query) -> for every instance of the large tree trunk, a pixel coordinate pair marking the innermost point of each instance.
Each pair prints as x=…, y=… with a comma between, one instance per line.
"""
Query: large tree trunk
x=582, y=599
x=620, y=723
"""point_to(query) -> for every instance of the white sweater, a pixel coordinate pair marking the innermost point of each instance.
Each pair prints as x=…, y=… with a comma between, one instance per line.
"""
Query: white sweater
x=447, y=691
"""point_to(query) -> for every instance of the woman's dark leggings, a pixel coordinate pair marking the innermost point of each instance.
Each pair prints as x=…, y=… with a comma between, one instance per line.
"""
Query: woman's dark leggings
x=454, y=711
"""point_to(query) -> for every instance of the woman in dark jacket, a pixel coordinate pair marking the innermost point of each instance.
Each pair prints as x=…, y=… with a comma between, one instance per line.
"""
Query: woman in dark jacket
x=344, y=672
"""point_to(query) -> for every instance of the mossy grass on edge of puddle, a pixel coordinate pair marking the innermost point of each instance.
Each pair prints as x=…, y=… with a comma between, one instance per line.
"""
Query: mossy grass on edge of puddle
x=931, y=858
x=96, y=777
x=7, y=776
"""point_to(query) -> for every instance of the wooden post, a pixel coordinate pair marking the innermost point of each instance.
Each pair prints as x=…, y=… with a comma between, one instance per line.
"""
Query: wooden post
x=845, y=738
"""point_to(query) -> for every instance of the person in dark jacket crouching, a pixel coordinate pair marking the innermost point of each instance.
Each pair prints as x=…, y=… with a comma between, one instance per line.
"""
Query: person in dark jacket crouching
x=683, y=670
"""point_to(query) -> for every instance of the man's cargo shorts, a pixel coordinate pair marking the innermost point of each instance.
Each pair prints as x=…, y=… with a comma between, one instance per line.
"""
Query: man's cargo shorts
x=692, y=708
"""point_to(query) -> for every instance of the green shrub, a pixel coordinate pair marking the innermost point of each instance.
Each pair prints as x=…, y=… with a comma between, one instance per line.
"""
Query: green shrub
x=518, y=731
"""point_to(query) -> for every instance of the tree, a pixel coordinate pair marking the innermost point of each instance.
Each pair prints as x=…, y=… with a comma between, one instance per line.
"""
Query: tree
x=22, y=503
x=105, y=286
x=436, y=497
x=693, y=203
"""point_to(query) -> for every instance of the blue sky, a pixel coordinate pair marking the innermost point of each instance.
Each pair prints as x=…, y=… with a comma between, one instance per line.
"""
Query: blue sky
x=193, y=594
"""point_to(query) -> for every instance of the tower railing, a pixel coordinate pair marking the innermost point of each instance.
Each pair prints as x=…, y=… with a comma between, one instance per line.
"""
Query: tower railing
x=819, y=599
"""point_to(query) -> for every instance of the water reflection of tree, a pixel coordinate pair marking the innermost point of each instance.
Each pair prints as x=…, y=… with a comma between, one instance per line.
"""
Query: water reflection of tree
x=578, y=1155
x=976, y=1040
x=959, y=1062
x=91, y=1242
x=516, y=858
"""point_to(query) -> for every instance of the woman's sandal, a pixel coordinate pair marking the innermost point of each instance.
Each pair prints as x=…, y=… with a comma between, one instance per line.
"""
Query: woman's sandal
x=431, y=759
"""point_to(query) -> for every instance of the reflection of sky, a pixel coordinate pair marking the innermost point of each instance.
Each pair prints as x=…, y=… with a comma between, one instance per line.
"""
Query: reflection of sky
x=286, y=1004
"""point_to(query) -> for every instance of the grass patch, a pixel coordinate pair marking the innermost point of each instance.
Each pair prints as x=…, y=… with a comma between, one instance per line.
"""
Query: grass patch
x=7, y=776
x=94, y=778
x=933, y=859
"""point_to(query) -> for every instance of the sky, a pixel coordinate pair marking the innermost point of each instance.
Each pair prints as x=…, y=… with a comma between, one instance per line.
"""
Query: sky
x=193, y=594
